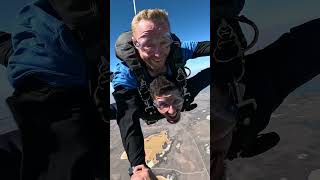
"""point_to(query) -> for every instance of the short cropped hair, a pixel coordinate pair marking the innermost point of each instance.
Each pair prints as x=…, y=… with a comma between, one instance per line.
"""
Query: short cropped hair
x=158, y=15
x=161, y=86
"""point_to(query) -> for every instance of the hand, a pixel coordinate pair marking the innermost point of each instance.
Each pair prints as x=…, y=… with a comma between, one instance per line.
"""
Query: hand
x=191, y=107
x=141, y=172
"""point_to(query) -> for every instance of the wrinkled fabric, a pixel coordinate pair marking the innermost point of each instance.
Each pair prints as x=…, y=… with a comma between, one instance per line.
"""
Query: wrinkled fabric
x=44, y=47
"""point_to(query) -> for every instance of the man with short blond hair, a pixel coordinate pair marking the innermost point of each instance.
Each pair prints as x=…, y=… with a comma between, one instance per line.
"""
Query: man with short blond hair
x=159, y=15
x=149, y=28
x=152, y=53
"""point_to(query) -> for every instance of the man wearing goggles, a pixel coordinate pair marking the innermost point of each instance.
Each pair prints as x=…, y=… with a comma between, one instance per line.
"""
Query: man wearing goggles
x=151, y=46
x=167, y=98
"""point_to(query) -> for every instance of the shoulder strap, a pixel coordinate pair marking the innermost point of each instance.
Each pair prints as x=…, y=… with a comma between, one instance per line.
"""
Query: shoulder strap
x=177, y=65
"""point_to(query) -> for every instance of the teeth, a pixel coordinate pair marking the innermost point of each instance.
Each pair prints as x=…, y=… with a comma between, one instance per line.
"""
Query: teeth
x=173, y=116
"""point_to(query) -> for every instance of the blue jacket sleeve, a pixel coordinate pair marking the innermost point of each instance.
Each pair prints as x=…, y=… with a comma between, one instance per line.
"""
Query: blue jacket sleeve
x=124, y=77
x=193, y=49
x=42, y=46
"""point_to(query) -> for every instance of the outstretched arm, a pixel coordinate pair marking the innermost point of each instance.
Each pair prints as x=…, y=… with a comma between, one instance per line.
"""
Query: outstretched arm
x=129, y=124
x=198, y=82
x=202, y=49
x=277, y=70
x=194, y=49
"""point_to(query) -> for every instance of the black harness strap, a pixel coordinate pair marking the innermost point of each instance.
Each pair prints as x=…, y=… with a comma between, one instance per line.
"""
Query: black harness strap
x=178, y=70
x=229, y=60
x=144, y=93
x=176, y=64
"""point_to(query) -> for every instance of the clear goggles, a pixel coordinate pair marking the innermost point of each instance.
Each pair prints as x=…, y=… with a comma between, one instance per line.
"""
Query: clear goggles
x=176, y=102
x=150, y=44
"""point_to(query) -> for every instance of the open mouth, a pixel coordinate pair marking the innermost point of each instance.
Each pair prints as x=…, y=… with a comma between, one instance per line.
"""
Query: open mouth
x=174, y=115
x=173, y=118
x=157, y=60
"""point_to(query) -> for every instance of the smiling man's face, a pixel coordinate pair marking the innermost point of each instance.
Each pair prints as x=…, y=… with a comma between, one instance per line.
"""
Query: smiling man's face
x=170, y=105
x=153, y=40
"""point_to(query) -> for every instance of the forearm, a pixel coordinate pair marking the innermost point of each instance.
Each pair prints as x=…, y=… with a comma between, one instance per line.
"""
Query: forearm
x=129, y=125
x=198, y=82
x=202, y=49
x=281, y=67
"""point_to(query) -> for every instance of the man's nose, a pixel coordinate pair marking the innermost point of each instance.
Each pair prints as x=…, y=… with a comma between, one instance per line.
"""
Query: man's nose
x=157, y=51
x=171, y=110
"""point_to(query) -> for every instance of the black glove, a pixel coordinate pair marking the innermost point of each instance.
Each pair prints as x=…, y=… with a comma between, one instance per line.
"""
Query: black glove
x=190, y=107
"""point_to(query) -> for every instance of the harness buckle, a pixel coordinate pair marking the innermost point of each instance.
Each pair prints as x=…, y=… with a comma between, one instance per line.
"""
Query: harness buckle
x=149, y=109
x=149, y=122
x=246, y=110
x=181, y=76
x=186, y=94
x=145, y=96
x=144, y=91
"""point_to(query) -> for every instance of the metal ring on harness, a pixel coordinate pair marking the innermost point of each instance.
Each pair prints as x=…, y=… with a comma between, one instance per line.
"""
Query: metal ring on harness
x=228, y=60
x=244, y=19
x=227, y=35
x=145, y=96
x=181, y=75
x=187, y=75
x=181, y=78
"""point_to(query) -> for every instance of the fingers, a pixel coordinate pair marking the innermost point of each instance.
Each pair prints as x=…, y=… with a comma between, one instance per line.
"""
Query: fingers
x=139, y=168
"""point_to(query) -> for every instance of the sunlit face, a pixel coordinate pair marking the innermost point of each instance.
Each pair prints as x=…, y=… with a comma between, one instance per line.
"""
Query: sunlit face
x=170, y=105
x=153, y=40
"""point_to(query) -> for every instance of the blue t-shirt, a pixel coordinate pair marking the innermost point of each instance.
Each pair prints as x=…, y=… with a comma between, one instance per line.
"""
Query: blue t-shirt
x=125, y=77
x=45, y=48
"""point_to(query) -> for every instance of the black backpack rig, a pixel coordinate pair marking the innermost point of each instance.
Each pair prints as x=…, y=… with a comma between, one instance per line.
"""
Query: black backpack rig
x=126, y=52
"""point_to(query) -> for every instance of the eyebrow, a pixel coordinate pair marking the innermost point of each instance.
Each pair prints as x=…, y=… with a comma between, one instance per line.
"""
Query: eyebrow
x=146, y=33
x=163, y=96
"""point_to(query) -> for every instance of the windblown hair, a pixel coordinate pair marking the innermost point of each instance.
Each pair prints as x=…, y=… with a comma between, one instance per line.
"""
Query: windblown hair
x=161, y=86
x=158, y=15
